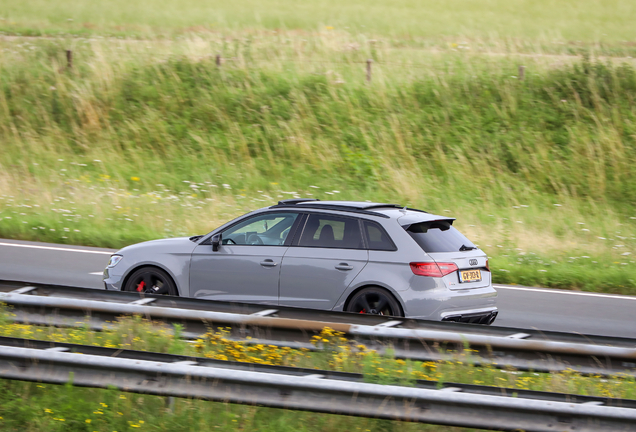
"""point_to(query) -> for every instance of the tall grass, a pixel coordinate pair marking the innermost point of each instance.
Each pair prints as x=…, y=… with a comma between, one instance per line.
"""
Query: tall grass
x=143, y=139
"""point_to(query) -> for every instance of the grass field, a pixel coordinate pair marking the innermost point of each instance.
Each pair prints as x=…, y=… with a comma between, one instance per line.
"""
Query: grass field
x=564, y=21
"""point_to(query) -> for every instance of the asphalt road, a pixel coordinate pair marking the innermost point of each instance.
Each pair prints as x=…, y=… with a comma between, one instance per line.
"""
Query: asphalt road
x=523, y=307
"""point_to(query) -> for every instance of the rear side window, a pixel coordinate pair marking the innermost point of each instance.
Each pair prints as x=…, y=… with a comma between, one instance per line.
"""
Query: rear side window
x=439, y=236
x=377, y=238
x=331, y=232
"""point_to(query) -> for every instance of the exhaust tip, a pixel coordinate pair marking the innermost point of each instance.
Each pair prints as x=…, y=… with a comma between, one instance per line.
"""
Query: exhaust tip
x=493, y=317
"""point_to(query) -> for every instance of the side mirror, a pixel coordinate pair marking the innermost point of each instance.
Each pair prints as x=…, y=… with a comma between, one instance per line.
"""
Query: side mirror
x=216, y=242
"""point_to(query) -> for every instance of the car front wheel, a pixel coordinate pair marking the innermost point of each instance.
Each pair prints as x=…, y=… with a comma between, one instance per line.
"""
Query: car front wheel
x=151, y=280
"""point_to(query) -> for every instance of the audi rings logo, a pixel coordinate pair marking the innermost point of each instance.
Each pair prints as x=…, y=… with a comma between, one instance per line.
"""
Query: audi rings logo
x=472, y=262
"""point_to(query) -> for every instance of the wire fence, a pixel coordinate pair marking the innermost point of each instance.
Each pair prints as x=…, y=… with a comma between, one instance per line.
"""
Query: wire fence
x=220, y=60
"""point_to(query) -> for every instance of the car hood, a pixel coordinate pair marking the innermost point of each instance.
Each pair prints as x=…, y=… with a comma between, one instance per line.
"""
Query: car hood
x=179, y=245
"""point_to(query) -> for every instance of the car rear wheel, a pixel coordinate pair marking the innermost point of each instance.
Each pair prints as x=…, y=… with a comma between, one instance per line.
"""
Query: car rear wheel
x=151, y=280
x=374, y=301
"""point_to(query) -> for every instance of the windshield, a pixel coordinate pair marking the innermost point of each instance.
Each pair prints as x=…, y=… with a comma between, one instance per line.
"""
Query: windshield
x=439, y=236
x=268, y=229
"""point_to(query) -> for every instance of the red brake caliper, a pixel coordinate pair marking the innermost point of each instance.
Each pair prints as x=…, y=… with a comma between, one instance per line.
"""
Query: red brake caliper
x=141, y=286
x=363, y=311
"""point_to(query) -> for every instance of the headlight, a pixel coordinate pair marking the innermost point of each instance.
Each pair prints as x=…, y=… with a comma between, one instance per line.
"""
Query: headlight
x=114, y=259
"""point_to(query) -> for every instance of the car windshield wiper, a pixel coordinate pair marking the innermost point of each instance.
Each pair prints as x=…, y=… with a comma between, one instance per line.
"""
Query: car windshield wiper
x=466, y=248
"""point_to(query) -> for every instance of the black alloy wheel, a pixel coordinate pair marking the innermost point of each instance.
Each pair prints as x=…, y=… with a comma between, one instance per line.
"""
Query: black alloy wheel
x=374, y=301
x=151, y=280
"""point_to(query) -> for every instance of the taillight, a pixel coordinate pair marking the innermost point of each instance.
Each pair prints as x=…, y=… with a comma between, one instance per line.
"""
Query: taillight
x=432, y=269
x=487, y=266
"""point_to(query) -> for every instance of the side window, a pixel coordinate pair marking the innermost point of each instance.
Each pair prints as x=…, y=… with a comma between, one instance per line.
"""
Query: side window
x=270, y=229
x=377, y=238
x=331, y=232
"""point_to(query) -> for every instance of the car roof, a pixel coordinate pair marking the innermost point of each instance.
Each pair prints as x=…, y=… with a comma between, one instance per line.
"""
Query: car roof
x=355, y=205
x=350, y=205
x=406, y=216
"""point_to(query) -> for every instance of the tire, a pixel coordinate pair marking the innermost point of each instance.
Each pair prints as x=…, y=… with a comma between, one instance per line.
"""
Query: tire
x=374, y=301
x=151, y=280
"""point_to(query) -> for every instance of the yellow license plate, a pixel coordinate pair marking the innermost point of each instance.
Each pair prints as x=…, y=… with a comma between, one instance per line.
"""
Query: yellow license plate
x=470, y=275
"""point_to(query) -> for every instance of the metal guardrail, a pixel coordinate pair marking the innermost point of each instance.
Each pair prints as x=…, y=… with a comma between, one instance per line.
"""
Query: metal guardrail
x=407, y=338
x=310, y=389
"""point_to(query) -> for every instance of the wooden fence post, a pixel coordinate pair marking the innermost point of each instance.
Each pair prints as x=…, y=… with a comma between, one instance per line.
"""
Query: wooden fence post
x=522, y=72
x=369, y=63
x=218, y=60
x=69, y=59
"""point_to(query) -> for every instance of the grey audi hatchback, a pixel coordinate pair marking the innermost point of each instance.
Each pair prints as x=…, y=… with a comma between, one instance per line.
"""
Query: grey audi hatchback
x=347, y=256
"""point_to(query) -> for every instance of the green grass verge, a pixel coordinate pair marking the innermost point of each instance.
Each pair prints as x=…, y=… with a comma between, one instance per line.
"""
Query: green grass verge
x=34, y=406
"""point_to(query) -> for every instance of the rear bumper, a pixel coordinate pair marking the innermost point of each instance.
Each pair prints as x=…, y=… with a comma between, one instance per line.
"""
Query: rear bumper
x=443, y=304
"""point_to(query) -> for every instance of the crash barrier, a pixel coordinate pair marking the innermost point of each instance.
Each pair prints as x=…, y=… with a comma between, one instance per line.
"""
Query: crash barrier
x=310, y=389
x=284, y=326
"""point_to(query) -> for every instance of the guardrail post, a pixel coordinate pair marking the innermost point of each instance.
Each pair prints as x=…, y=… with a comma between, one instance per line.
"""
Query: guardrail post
x=522, y=72
x=170, y=404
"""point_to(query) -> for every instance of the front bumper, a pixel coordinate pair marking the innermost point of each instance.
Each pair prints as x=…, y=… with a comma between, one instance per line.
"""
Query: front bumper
x=111, y=282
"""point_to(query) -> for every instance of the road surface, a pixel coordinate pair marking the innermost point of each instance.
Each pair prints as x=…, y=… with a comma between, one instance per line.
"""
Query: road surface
x=523, y=307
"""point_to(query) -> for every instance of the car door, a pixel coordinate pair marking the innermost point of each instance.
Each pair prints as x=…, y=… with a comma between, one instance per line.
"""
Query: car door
x=246, y=266
x=322, y=262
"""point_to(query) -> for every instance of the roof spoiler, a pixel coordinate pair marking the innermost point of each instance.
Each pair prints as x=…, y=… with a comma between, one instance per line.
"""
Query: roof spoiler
x=448, y=220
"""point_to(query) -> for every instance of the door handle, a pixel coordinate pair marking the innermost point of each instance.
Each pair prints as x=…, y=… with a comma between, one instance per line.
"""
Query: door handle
x=344, y=266
x=269, y=263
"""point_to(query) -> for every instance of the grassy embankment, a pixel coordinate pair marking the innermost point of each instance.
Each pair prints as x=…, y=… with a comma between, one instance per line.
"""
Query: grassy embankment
x=33, y=406
x=145, y=139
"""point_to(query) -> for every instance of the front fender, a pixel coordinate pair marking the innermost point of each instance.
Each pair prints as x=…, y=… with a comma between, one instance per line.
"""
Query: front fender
x=171, y=255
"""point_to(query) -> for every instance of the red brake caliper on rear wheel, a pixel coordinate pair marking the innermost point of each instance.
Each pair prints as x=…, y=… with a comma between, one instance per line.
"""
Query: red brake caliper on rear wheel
x=141, y=286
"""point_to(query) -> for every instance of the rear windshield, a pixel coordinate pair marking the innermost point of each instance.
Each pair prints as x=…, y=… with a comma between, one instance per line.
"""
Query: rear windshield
x=439, y=236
